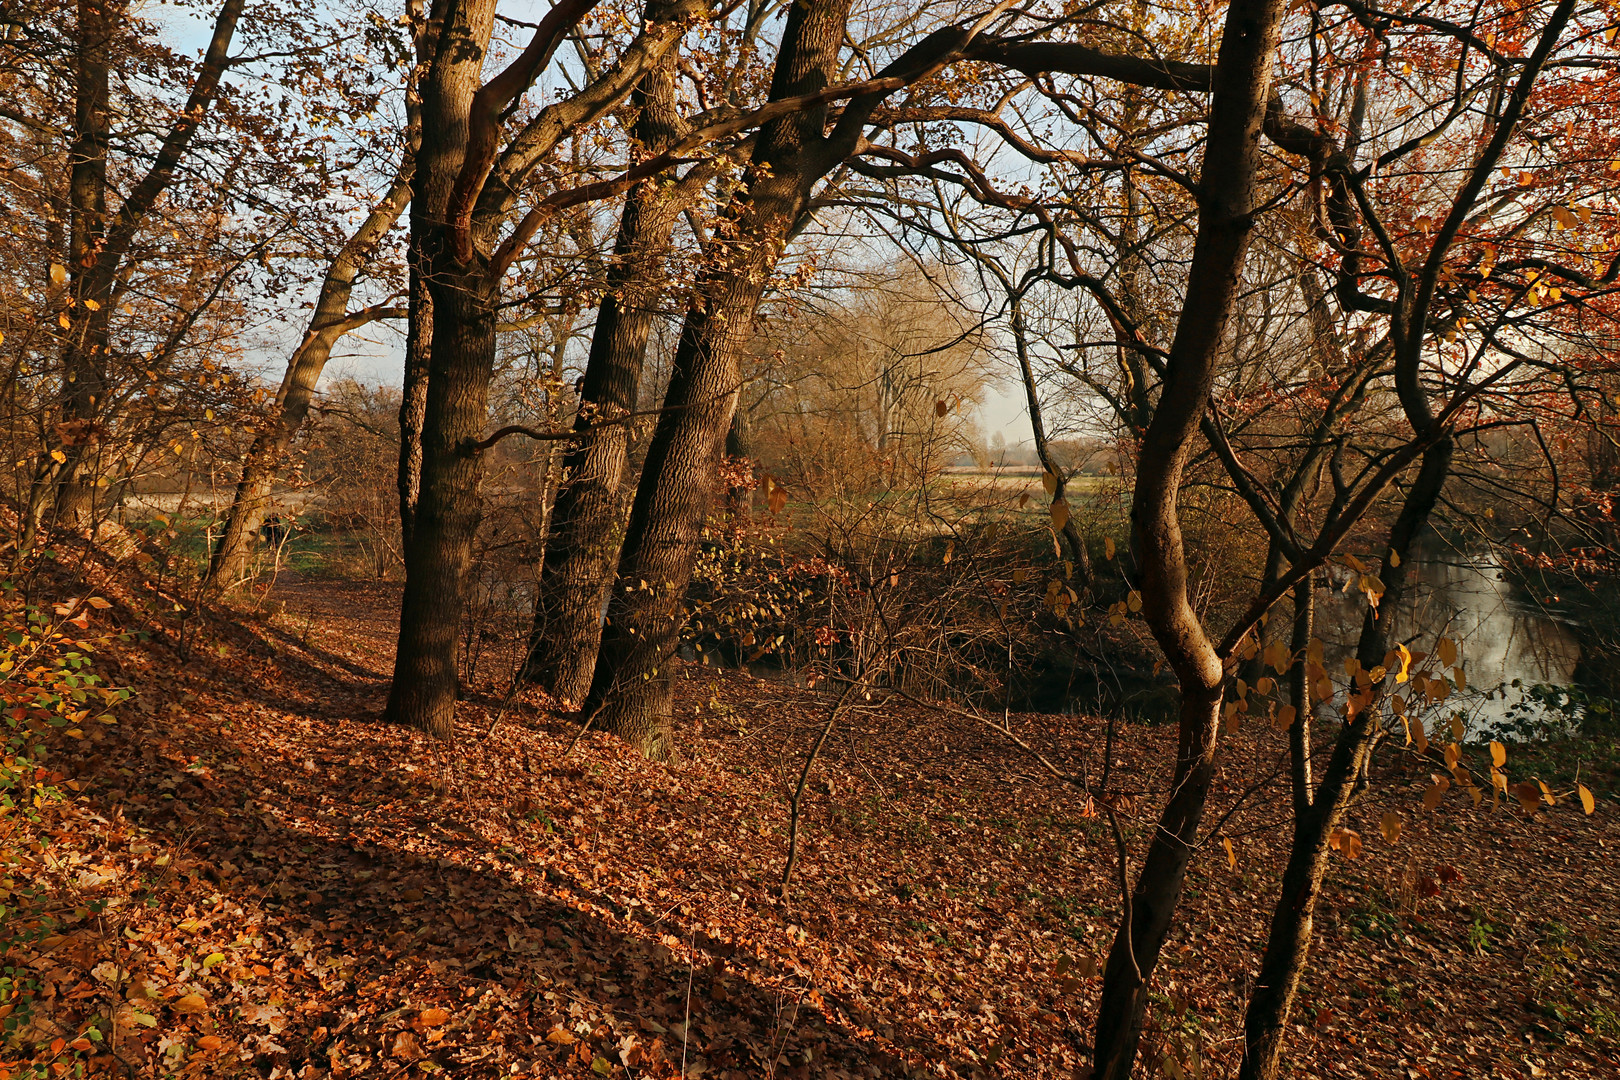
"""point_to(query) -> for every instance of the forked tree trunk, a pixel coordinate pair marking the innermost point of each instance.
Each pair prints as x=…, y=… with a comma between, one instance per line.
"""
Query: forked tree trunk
x=1318, y=813
x=1292, y=925
x=583, y=544
x=234, y=552
x=630, y=688
x=1242, y=81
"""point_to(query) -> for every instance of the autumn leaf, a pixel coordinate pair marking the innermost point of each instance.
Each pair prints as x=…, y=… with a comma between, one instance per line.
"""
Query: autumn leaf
x=1529, y=795
x=1060, y=513
x=1498, y=754
x=1588, y=804
x=1390, y=826
x=1231, y=855
x=189, y=1005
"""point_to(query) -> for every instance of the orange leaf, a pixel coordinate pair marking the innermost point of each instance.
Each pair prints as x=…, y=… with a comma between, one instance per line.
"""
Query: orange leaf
x=1588, y=803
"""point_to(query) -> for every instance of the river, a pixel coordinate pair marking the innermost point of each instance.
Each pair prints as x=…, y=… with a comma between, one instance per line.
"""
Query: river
x=1501, y=637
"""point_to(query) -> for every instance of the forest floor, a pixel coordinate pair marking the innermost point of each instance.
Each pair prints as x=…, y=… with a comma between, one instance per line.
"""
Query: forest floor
x=253, y=876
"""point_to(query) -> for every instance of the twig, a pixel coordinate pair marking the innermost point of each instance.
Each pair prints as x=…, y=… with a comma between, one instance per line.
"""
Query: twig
x=686, y=1018
x=804, y=775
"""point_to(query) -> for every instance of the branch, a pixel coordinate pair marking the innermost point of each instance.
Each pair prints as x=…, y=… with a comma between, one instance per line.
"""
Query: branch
x=484, y=119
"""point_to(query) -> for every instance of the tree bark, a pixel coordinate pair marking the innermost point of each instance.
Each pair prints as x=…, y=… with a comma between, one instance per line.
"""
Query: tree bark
x=1317, y=815
x=1242, y=82
x=630, y=687
x=582, y=546
x=331, y=320
x=413, y=400
x=460, y=356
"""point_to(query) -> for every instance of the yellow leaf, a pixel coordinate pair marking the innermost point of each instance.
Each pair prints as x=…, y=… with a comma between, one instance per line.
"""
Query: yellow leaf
x=1390, y=826
x=1588, y=803
x=1265, y=685
x=1134, y=601
x=64, y=320
x=58, y=273
x=1406, y=663
x=1498, y=754
x=1049, y=482
x=189, y=1005
x=92, y=305
x=1394, y=557
x=1285, y=717
x=433, y=1017
x=1060, y=513
x=560, y=1036
x=58, y=457
x=1457, y=728
x=1546, y=793
x=1231, y=855
x=1108, y=547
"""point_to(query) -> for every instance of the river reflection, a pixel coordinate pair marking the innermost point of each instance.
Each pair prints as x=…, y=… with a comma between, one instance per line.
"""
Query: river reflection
x=1464, y=596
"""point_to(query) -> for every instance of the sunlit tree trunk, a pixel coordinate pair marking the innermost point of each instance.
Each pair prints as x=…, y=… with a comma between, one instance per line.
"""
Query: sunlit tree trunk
x=332, y=319
x=583, y=543
x=630, y=688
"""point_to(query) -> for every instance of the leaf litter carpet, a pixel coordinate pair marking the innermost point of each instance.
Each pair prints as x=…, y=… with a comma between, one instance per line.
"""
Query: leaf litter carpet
x=290, y=888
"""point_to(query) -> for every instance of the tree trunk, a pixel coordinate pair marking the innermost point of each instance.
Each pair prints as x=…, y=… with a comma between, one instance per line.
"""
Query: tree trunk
x=460, y=355
x=423, y=694
x=582, y=546
x=630, y=688
x=100, y=241
x=1293, y=919
x=84, y=357
x=1073, y=541
x=1241, y=84
x=331, y=320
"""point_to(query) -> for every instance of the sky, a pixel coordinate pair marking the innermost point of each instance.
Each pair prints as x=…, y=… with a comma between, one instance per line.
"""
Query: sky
x=374, y=354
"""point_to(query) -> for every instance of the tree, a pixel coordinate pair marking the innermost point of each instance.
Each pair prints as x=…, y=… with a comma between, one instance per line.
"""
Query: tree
x=465, y=189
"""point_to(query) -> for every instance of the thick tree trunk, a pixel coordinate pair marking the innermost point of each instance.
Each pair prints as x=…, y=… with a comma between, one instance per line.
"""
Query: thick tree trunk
x=423, y=694
x=459, y=357
x=1240, y=88
x=582, y=547
x=630, y=688
x=331, y=320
